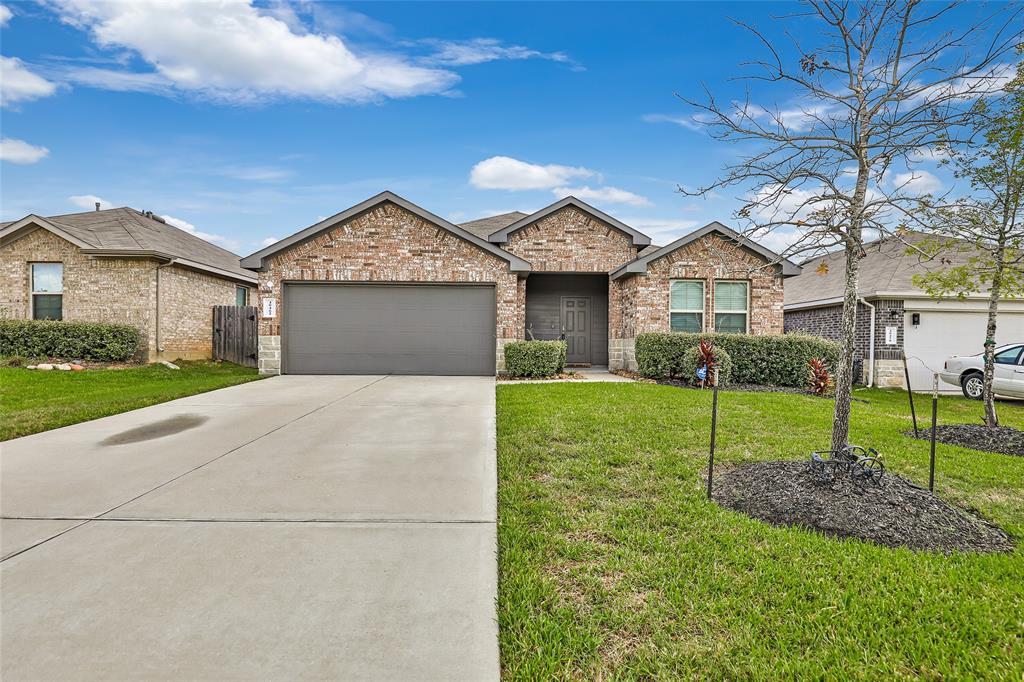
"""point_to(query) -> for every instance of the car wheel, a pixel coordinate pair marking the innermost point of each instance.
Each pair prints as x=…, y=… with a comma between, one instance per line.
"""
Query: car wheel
x=973, y=386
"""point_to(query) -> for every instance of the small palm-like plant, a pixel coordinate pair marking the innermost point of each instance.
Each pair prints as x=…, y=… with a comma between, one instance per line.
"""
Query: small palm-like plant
x=707, y=356
x=819, y=378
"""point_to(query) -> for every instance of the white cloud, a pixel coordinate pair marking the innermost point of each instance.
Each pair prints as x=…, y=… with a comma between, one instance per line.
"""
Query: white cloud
x=236, y=52
x=5, y=15
x=270, y=240
x=89, y=201
x=688, y=122
x=191, y=229
x=917, y=182
x=481, y=50
x=932, y=154
x=18, y=84
x=503, y=172
x=607, y=195
x=255, y=173
x=21, y=152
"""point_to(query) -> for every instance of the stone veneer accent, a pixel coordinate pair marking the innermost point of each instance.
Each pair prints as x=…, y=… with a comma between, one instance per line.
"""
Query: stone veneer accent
x=118, y=290
x=389, y=244
x=570, y=240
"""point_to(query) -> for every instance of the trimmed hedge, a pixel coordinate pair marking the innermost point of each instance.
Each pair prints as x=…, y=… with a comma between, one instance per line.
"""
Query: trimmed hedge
x=534, y=358
x=692, y=359
x=773, y=359
x=70, y=340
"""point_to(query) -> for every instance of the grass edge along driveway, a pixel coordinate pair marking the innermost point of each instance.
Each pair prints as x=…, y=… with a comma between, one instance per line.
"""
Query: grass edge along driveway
x=32, y=401
x=612, y=565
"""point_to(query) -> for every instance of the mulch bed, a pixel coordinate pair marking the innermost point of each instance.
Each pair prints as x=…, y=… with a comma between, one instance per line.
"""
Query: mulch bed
x=896, y=514
x=1002, y=439
x=750, y=388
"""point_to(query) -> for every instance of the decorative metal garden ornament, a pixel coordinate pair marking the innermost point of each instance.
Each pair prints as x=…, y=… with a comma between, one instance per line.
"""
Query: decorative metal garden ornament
x=862, y=465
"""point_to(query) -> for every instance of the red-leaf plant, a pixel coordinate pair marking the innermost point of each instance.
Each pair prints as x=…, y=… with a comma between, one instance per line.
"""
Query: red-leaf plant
x=820, y=378
x=707, y=358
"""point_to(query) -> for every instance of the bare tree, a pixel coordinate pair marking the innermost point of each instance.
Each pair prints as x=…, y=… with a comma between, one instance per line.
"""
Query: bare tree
x=883, y=83
x=988, y=222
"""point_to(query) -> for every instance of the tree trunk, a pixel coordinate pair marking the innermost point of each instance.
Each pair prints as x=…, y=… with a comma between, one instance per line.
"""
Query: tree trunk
x=848, y=332
x=991, y=419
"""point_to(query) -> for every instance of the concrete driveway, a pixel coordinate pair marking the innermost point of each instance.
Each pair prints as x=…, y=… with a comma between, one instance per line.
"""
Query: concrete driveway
x=292, y=528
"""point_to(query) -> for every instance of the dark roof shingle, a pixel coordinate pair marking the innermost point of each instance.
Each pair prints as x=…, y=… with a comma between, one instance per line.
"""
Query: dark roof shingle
x=125, y=229
x=485, y=227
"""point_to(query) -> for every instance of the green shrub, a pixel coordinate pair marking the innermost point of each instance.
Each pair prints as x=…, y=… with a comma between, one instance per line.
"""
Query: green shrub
x=534, y=358
x=71, y=340
x=693, y=358
x=773, y=359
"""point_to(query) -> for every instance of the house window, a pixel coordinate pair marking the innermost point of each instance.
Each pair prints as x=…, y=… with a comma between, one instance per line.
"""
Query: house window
x=241, y=295
x=47, y=291
x=731, y=307
x=686, y=305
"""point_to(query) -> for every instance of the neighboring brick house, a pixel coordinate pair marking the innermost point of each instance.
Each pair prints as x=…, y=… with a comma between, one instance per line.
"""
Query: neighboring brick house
x=124, y=266
x=387, y=287
x=904, y=318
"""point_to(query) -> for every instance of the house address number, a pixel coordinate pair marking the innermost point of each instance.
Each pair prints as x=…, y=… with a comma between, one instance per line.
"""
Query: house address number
x=269, y=307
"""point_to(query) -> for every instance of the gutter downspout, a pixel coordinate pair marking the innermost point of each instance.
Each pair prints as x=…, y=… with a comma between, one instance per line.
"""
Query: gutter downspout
x=871, y=344
x=156, y=323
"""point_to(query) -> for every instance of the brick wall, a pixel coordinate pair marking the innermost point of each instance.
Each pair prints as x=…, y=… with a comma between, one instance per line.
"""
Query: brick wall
x=827, y=322
x=119, y=290
x=186, y=315
x=645, y=299
x=386, y=244
x=640, y=303
x=570, y=240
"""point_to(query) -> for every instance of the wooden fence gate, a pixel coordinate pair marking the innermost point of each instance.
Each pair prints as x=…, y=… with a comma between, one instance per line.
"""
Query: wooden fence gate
x=235, y=329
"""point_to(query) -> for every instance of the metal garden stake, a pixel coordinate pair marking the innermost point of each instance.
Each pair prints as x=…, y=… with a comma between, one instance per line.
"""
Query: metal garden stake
x=935, y=414
x=910, y=394
x=714, y=425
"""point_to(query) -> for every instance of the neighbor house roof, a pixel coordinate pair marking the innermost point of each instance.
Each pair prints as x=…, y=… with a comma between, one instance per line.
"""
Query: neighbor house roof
x=127, y=232
x=256, y=260
x=485, y=227
x=886, y=268
x=639, y=265
x=500, y=236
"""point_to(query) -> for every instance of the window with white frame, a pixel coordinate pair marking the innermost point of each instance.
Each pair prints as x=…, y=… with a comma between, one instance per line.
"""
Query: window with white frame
x=47, y=291
x=686, y=305
x=732, y=303
x=241, y=295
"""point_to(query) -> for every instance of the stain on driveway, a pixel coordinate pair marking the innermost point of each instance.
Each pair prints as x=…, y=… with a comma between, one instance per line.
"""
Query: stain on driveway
x=158, y=429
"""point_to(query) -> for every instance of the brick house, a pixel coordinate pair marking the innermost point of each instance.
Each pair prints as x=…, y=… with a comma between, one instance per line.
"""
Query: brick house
x=903, y=318
x=124, y=266
x=387, y=287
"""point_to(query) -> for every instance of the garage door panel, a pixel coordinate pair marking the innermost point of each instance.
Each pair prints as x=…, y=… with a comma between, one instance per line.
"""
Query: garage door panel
x=941, y=334
x=389, y=329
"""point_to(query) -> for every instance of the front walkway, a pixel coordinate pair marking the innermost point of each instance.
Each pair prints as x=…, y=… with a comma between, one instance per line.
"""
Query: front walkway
x=292, y=528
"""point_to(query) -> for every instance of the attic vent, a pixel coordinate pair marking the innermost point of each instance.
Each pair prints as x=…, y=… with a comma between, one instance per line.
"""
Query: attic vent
x=154, y=216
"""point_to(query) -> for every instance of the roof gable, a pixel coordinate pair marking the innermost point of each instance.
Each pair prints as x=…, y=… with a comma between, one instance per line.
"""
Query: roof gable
x=639, y=265
x=256, y=261
x=501, y=236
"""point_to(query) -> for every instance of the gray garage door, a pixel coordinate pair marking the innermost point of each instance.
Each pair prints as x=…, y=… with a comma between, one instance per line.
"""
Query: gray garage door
x=388, y=329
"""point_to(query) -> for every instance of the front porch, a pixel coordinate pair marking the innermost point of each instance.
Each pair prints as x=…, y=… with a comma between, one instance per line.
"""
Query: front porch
x=573, y=307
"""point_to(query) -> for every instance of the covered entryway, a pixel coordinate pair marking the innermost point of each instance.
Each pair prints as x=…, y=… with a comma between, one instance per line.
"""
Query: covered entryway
x=346, y=328
x=573, y=307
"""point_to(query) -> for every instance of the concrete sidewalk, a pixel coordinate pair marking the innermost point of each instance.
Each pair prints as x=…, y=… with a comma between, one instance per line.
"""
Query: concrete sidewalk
x=292, y=528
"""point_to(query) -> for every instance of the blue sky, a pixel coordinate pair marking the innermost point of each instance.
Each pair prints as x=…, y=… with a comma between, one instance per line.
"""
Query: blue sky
x=249, y=122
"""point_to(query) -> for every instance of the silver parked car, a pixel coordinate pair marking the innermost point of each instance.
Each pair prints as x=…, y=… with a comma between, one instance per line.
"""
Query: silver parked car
x=967, y=372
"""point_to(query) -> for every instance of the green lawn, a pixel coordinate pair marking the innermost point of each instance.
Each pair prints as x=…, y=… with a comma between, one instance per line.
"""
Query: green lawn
x=32, y=401
x=614, y=566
